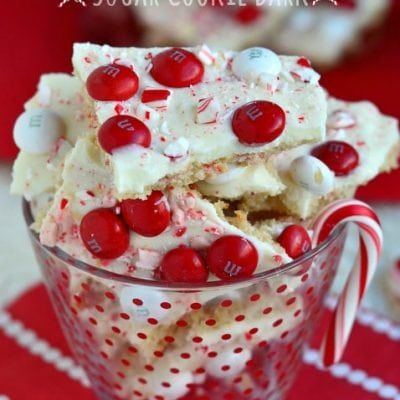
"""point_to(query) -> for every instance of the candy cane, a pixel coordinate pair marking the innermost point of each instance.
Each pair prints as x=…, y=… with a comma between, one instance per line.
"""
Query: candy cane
x=370, y=248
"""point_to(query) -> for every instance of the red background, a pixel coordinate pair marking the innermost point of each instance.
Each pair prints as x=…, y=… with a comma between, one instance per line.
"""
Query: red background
x=36, y=37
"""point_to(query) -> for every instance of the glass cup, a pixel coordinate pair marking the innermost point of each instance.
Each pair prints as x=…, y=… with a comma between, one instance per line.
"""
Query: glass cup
x=150, y=340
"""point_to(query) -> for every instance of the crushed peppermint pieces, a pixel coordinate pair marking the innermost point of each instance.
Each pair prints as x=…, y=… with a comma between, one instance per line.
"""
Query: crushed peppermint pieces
x=341, y=119
x=208, y=110
x=156, y=98
x=178, y=149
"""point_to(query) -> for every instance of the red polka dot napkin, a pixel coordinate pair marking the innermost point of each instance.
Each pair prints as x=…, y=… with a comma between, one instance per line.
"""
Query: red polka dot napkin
x=35, y=362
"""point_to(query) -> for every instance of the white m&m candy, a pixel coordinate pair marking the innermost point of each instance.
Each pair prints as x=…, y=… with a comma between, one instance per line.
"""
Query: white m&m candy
x=228, y=362
x=256, y=61
x=312, y=175
x=169, y=386
x=36, y=131
x=143, y=303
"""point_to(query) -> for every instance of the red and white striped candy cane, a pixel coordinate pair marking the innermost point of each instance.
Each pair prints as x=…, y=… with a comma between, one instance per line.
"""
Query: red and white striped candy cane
x=370, y=248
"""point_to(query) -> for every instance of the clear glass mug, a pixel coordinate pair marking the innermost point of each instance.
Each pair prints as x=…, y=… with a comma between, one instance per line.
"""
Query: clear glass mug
x=147, y=340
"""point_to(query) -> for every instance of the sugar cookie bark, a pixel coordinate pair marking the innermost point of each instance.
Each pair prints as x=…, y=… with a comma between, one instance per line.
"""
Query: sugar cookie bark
x=231, y=26
x=325, y=33
x=305, y=183
x=58, y=108
x=195, y=222
x=374, y=137
x=205, y=123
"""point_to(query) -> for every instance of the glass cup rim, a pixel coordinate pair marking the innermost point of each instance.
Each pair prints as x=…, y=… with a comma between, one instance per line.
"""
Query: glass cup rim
x=163, y=285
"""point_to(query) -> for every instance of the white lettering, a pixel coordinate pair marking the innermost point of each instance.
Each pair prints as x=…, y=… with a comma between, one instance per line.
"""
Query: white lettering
x=284, y=3
x=232, y=269
x=94, y=246
x=126, y=124
x=178, y=56
x=305, y=247
x=334, y=2
x=336, y=148
x=201, y=3
x=63, y=2
x=143, y=312
x=255, y=53
x=254, y=112
x=36, y=121
x=111, y=71
x=219, y=3
x=145, y=3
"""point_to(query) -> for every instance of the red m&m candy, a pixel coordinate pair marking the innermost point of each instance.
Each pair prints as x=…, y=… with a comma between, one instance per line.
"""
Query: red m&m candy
x=177, y=68
x=304, y=62
x=232, y=257
x=123, y=130
x=248, y=14
x=183, y=265
x=295, y=240
x=104, y=234
x=340, y=157
x=148, y=217
x=112, y=82
x=258, y=122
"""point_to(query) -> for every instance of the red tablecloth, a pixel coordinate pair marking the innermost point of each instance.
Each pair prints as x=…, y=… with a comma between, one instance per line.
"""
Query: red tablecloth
x=37, y=37
x=35, y=362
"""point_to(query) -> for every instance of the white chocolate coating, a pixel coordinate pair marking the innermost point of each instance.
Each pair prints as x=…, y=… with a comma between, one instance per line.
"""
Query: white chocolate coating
x=303, y=102
x=239, y=180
